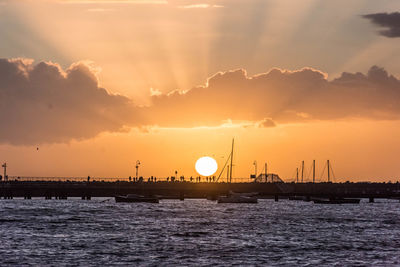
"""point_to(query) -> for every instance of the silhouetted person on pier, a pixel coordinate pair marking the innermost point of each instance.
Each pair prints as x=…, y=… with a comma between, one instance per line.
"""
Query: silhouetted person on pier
x=130, y=178
x=1, y=177
x=88, y=179
x=168, y=179
x=191, y=179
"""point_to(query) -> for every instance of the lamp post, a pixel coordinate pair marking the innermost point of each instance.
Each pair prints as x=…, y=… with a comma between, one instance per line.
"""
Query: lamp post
x=137, y=168
x=5, y=171
x=255, y=169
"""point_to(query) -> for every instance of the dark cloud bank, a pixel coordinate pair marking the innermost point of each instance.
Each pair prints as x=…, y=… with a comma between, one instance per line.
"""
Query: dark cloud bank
x=43, y=104
x=391, y=21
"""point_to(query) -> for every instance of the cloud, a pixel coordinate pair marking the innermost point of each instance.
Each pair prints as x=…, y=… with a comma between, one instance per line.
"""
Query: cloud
x=266, y=123
x=199, y=6
x=280, y=95
x=100, y=9
x=135, y=2
x=391, y=21
x=44, y=104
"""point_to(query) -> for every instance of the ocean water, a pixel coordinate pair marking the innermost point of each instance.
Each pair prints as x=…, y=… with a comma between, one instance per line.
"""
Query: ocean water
x=198, y=232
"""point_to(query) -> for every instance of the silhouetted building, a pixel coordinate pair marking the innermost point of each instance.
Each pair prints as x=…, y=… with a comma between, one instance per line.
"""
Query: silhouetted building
x=271, y=178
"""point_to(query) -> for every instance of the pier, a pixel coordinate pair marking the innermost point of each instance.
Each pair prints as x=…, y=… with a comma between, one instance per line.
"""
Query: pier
x=184, y=189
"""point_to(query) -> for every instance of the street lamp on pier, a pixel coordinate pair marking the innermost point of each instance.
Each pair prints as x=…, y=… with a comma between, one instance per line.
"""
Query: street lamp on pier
x=137, y=168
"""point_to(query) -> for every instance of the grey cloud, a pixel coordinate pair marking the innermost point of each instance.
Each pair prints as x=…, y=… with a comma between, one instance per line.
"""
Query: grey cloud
x=43, y=104
x=391, y=21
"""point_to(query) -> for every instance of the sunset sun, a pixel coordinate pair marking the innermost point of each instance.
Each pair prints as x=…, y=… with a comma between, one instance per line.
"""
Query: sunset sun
x=206, y=166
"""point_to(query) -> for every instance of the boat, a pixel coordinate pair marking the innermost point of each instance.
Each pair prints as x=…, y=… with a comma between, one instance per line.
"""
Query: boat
x=233, y=197
x=136, y=198
x=337, y=201
x=237, y=199
x=250, y=194
x=212, y=197
x=302, y=198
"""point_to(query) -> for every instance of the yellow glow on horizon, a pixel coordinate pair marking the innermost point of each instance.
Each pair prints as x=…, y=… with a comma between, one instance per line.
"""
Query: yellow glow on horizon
x=372, y=158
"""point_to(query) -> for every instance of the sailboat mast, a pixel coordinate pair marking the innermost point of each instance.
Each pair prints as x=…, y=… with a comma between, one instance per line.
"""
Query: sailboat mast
x=302, y=170
x=230, y=173
x=329, y=174
x=313, y=173
x=297, y=175
x=266, y=173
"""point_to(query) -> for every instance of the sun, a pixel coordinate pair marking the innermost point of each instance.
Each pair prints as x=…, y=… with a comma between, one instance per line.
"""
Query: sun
x=206, y=166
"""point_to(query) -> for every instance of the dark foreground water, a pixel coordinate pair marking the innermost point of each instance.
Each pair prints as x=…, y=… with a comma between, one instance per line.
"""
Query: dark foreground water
x=197, y=232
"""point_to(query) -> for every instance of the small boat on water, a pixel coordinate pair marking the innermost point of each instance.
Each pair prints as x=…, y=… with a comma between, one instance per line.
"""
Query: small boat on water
x=136, y=198
x=302, y=198
x=212, y=197
x=337, y=201
x=238, y=198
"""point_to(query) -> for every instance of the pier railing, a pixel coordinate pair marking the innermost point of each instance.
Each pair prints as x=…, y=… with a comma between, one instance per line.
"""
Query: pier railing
x=123, y=179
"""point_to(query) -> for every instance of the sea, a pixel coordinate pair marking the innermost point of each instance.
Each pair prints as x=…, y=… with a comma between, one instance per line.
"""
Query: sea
x=198, y=232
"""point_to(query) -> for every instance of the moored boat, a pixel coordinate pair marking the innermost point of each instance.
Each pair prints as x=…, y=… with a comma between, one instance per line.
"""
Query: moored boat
x=302, y=198
x=136, y=198
x=337, y=201
x=238, y=198
x=212, y=197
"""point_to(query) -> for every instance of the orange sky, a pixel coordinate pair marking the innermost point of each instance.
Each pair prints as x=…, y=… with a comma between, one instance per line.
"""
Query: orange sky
x=167, y=82
x=358, y=151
